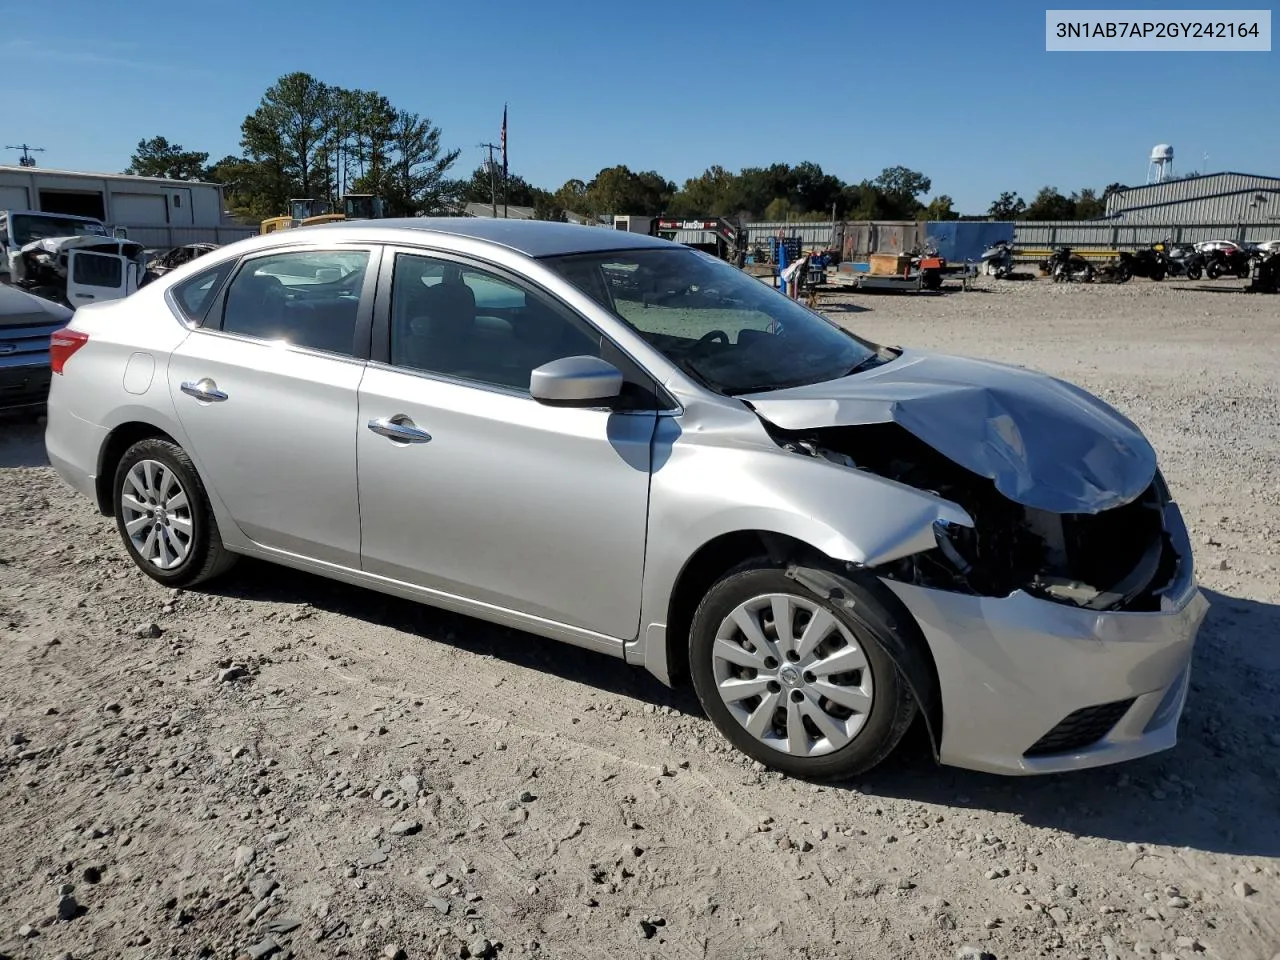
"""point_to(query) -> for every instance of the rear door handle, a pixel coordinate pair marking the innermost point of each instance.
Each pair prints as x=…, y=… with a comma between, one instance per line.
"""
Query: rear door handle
x=399, y=428
x=204, y=389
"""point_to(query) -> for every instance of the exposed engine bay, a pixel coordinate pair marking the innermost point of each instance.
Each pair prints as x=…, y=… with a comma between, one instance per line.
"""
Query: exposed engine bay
x=1119, y=558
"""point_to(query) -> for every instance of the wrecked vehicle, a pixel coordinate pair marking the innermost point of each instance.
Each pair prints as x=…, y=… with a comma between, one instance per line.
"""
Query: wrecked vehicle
x=642, y=451
x=160, y=262
x=70, y=260
x=77, y=270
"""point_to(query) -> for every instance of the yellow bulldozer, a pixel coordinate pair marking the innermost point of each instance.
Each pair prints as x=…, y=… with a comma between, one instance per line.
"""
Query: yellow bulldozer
x=308, y=212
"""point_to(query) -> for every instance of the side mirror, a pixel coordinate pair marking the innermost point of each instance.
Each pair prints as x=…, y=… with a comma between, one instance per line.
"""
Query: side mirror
x=119, y=233
x=576, y=382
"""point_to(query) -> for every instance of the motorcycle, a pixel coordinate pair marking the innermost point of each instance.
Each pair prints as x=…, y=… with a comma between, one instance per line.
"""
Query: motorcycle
x=997, y=259
x=1182, y=259
x=1150, y=263
x=1226, y=261
x=1266, y=273
x=1065, y=266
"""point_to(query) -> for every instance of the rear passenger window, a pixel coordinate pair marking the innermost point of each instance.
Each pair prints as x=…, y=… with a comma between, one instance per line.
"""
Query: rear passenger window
x=195, y=296
x=305, y=298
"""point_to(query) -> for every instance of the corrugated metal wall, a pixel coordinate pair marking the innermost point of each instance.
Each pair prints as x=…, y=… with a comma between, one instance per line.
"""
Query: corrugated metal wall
x=1217, y=198
x=810, y=234
x=1111, y=235
x=157, y=237
x=858, y=239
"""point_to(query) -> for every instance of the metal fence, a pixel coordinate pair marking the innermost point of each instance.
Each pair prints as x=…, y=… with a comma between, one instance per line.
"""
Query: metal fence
x=1129, y=236
x=159, y=237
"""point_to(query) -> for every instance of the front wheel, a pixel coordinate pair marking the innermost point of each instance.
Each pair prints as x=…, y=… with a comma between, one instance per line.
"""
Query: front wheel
x=792, y=680
x=1194, y=272
x=164, y=517
x=1213, y=271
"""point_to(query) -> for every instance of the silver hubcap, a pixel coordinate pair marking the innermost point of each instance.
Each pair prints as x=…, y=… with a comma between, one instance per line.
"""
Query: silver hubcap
x=792, y=674
x=157, y=514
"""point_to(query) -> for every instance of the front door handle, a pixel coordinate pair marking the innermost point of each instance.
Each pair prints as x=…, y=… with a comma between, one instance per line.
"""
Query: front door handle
x=204, y=389
x=399, y=428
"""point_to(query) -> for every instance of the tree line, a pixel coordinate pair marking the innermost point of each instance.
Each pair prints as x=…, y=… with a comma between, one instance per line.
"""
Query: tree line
x=310, y=139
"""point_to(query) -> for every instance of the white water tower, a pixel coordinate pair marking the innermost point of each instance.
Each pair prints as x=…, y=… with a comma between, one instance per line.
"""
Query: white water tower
x=1161, y=163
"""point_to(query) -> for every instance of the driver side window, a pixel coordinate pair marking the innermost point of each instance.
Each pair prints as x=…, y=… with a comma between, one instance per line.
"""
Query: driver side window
x=460, y=321
x=305, y=298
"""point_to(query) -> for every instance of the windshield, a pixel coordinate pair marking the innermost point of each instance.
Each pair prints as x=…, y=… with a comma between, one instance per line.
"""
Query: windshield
x=724, y=326
x=28, y=228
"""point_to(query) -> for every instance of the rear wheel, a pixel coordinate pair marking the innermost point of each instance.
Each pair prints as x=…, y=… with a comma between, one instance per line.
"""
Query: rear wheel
x=164, y=517
x=792, y=680
x=1194, y=272
x=1213, y=271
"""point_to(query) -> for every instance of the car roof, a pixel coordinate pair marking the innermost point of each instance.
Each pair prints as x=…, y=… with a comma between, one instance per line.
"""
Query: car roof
x=533, y=238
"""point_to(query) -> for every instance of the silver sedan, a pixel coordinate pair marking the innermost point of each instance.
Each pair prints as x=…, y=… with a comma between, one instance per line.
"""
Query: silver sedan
x=627, y=445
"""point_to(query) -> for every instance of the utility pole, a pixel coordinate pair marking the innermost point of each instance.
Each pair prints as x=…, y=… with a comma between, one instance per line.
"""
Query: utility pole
x=493, y=185
x=26, y=160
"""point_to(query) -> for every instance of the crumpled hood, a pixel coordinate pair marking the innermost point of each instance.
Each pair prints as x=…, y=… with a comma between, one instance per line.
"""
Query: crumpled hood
x=57, y=245
x=1044, y=443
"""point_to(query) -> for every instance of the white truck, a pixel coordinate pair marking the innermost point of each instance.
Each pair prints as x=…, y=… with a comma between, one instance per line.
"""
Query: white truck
x=70, y=260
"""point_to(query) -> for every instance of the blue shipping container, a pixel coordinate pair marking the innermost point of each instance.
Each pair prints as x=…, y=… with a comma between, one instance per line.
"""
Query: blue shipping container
x=961, y=240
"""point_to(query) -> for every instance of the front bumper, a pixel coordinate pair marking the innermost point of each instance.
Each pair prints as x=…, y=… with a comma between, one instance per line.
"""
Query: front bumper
x=23, y=386
x=1031, y=686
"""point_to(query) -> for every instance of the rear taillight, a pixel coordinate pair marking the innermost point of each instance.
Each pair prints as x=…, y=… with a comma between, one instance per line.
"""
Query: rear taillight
x=62, y=345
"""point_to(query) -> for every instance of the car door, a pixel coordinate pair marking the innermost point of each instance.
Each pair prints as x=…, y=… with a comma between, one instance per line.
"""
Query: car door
x=94, y=277
x=266, y=390
x=469, y=486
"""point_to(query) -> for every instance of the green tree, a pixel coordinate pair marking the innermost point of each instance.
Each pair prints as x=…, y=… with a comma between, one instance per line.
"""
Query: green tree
x=1049, y=204
x=573, y=198
x=1009, y=206
x=940, y=208
x=545, y=208
x=520, y=193
x=288, y=130
x=1088, y=205
x=713, y=193
x=158, y=157
x=901, y=188
x=414, y=180
x=619, y=190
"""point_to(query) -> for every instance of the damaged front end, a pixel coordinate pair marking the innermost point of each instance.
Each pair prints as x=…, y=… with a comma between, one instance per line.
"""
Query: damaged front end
x=1120, y=558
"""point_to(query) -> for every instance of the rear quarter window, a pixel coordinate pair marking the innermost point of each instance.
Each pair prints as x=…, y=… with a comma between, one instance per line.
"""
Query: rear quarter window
x=195, y=296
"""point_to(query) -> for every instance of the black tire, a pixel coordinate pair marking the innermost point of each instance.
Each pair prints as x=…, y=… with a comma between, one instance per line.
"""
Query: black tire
x=206, y=557
x=892, y=710
x=1213, y=271
x=1194, y=272
x=1122, y=274
x=1157, y=274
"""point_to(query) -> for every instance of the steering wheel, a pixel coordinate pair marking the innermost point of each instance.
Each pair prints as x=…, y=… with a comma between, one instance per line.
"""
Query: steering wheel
x=713, y=335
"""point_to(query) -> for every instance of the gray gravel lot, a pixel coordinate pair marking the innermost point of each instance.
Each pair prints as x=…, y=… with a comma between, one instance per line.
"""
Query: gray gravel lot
x=283, y=766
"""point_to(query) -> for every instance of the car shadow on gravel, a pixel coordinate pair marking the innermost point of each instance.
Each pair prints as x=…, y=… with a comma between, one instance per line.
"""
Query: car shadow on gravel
x=259, y=581
x=1215, y=791
x=21, y=442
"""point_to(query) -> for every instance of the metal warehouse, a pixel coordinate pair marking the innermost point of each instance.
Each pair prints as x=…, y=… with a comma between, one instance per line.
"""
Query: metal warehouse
x=1212, y=198
x=154, y=210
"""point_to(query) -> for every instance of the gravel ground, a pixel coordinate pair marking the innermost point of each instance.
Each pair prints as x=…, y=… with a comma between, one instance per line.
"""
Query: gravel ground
x=283, y=766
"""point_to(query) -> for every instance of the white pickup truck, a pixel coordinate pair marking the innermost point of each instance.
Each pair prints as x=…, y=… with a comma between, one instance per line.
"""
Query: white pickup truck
x=68, y=259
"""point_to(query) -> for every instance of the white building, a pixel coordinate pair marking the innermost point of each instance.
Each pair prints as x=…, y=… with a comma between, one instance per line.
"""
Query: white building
x=156, y=211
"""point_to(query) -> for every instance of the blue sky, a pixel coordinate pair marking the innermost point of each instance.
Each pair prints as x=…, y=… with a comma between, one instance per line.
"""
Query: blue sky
x=963, y=92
